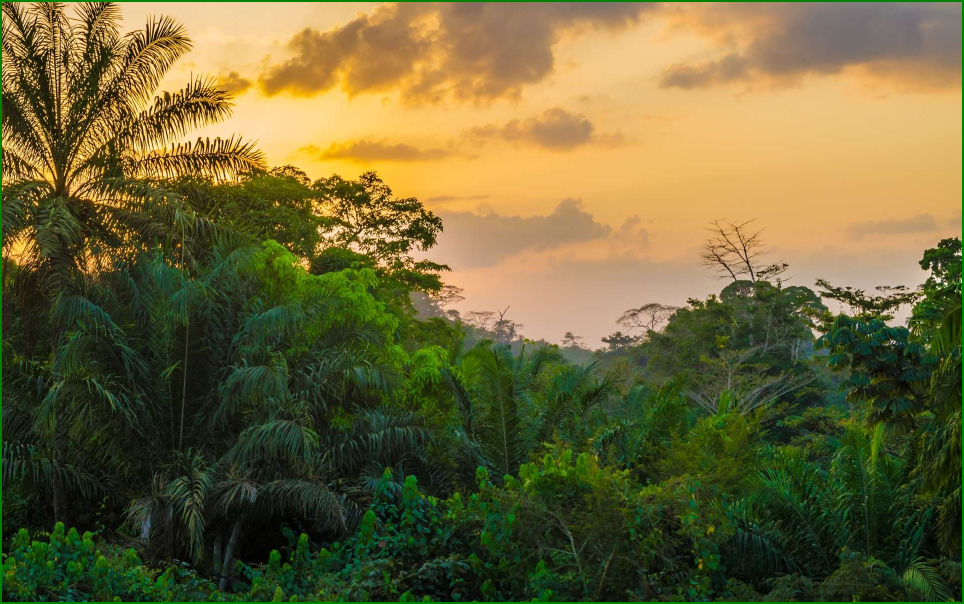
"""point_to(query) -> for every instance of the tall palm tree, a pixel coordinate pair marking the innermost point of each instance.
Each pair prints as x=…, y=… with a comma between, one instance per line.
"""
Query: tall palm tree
x=85, y=143
x=85, y=139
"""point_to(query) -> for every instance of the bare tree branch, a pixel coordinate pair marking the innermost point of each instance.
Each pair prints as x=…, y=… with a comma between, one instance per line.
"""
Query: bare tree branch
x=734, y=250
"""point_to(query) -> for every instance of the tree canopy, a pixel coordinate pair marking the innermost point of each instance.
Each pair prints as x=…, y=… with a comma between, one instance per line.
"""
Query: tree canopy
x=224, y=382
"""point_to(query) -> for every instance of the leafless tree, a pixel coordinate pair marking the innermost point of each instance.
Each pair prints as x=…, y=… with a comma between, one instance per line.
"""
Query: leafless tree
x=506, y=330
x=648, y=317
x=736, y=251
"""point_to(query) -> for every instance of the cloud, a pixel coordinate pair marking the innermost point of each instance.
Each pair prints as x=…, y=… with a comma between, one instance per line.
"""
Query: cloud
x=367, y=151
x=448, y=198
x=730, y=68
x=469, y=239
x=434, y=52
x=912, y=46
x=485, y=238
x=556, y=130
x=630, y=238
x=922, y=223
x=233, y=82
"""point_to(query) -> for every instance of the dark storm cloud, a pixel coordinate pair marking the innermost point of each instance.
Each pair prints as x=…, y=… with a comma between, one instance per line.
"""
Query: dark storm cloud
x=473, y=52
x=556, y=129
x=914, y=45
x=474, y=240
x=922, y=223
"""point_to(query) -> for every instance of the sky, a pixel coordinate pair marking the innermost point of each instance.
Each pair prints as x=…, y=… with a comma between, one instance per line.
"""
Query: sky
x=577, y=152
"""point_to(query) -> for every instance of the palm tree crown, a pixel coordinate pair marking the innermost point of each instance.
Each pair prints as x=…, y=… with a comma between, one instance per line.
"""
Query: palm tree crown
x=84, y=144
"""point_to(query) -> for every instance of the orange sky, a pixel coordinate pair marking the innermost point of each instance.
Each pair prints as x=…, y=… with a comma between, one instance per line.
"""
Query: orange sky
x=576, y=152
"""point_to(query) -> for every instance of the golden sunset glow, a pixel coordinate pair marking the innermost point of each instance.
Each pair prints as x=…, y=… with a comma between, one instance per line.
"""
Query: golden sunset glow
x=656, y=119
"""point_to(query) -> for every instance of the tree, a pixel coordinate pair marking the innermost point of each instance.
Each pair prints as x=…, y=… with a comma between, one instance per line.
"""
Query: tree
x=276, y=205
x=862, y=305
x=365, y=216
x=81, y=135
x=480, y=319
x=506, y=330
x=83, y=146
x=647, y=421
x=571, y=340
x=648, y=317
x=936, y=454
x=619, y=340
x=283, y=417
x=735, y=251
x=944, y=262
x=804, y=513
x=511, y=404
x=729, y=383
x=443, y=298
x=775, y=321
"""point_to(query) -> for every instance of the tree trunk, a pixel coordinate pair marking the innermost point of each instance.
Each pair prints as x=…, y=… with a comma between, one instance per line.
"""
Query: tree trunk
x=55, y=487
x=60, y=443
x=226, y=567
x=187, y=338
x=218, y=555
x=187, y=333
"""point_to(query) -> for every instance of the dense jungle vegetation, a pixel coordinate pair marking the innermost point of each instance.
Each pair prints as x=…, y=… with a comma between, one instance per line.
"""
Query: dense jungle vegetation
x=227, y=382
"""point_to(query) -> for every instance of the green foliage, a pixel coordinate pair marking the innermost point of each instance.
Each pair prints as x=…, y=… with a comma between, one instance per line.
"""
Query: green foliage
x=222, y=368
x=944, y=262
x=72, y=567
x=716, y=451
x=364, y=216
x=277, y=205
x=888, y=370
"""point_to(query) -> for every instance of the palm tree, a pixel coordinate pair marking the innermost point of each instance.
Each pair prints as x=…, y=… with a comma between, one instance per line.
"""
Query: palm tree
x=509, y=407
x=85, y=142
x=284, y=421
x=645, y=420
x=499, y=428
x=571, y=401
x=801, y=514
x=936, y=448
